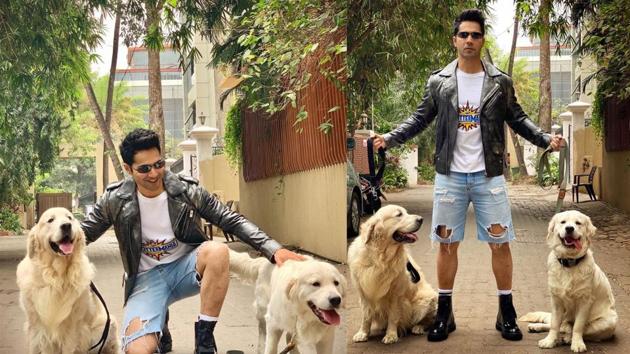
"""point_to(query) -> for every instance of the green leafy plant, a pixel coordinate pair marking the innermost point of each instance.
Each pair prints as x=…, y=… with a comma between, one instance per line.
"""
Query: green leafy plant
x=426, y=171
x=394, y=177
x=9, y=221
x=233, y=135
x=597, y=117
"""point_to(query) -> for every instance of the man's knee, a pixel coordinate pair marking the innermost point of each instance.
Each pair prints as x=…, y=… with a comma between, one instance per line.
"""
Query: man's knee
x=500, y=248
x=449, y=248
x=214, y=251
x=213, y=254
x=145, y=344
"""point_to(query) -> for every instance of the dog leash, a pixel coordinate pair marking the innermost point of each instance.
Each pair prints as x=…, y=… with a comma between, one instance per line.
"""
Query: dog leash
x=103, y=339
x=413, y=272
x=290, y=346
x=563, y=172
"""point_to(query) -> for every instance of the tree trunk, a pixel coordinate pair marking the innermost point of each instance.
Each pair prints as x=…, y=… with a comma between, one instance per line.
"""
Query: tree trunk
x=107, y=137
x=156, y=112
x=545, y=68
x=507, y=172
x=517, y=145
x=110, y=93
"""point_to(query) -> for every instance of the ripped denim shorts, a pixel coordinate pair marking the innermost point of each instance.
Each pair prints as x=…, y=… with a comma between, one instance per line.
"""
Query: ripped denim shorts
x=451, y=197
x=155, y=290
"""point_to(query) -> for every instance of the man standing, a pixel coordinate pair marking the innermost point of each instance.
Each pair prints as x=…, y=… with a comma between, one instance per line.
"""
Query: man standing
x=165, y=255
x=471, y=100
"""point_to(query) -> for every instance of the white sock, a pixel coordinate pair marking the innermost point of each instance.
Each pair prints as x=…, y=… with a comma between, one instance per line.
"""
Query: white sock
x=207, y=318
x=504, y=292
x=445, y=292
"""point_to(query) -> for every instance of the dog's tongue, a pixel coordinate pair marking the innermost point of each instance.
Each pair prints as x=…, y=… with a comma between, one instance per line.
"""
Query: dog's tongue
x=574, y=241
x=66, y=247
x=331, y=316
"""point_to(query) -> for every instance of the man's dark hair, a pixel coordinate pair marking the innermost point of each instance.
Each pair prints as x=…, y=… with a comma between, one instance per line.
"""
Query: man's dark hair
x=474, y=15
x=139, y=139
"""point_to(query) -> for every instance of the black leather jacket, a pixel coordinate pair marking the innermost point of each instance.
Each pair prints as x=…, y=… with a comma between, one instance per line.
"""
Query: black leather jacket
x=186, y=203
x=498, y=105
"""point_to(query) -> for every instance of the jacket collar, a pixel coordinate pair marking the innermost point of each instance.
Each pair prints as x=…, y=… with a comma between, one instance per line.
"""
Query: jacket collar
x=489, y=69
x=172, y=185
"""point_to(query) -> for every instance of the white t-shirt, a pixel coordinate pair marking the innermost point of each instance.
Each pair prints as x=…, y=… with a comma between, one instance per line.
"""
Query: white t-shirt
x=159, y=245
x=468, y=153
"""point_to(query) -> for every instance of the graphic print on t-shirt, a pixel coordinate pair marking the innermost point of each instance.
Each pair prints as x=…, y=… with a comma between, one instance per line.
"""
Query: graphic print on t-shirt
x=468, y=117
x=157, y=249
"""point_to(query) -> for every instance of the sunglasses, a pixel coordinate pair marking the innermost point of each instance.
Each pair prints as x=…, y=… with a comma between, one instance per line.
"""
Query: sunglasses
x=475, y=35
x=148, y=167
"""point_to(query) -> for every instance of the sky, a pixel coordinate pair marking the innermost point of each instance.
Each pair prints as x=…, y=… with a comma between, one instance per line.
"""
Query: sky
x=501, y=21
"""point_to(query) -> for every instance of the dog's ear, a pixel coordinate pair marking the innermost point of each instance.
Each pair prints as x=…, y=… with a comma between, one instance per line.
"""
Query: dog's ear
x=590, y=228
x=32, y=244
x=291, y=288
x=371, y=228
x=552, y=226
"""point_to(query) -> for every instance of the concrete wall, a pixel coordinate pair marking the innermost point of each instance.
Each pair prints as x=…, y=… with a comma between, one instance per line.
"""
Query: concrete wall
x=409, y=162
x=616, y=179
x=217, y=176
x=306, y=209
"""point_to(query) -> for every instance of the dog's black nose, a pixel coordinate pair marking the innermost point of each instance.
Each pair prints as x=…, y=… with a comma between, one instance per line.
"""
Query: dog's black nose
x=569, y=229
x=335, y=301
x=419, y=221
x=67, y=227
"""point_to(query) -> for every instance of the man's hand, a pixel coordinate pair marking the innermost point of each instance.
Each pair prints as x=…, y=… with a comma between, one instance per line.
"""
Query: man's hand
x=282, y=255
x=557, y=142
x=378, y=141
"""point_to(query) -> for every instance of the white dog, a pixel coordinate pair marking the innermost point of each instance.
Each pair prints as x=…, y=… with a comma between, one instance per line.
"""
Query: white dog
x=582, y=304
x=300, y=298
x=391, y=295
x=62, y=313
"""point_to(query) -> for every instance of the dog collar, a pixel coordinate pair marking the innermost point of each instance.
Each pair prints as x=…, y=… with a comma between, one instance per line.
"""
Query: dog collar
x=570, y=262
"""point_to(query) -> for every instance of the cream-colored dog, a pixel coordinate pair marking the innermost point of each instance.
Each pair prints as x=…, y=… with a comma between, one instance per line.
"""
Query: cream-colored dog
x=378, y=263
x=582, y=303
x=300, y=298
x=62, y=313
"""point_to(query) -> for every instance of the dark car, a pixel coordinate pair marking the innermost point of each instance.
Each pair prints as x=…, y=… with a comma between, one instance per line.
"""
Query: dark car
x=355, y=200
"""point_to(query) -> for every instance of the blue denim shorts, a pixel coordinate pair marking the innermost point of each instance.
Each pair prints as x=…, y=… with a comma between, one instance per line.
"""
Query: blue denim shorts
x=452, y=195
x=155, y=290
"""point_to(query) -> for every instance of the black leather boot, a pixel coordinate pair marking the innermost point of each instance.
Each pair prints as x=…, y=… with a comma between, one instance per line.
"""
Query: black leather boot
x=204, y=337
x=444, y=321
x=506, y=319
x=166, y=341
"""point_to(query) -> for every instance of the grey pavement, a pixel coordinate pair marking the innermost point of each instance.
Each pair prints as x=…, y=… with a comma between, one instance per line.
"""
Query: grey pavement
x=475, y=300
x=237, y=328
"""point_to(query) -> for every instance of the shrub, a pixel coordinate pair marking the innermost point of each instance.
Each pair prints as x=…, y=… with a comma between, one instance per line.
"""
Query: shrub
x=426, y=171
x=394, y=177
x=9, y=220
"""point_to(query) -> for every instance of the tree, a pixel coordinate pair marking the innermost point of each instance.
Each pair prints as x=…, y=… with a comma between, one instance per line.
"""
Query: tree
x=272, y=45
x=43, y=54
x=544, y=19
x=510, y=69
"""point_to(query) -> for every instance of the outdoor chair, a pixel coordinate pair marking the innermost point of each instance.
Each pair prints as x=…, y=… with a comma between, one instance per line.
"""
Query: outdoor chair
x=208, y=228
x=577, y=183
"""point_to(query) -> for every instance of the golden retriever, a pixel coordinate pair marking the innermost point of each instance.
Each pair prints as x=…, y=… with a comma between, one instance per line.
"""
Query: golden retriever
x=62, y=313
x=582, y=303
x=379, y=262
x=300, y=298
